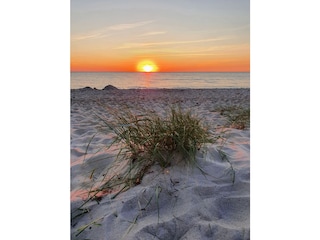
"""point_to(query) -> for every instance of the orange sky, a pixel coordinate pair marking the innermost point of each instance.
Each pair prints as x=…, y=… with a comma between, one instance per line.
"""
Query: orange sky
x=188, y=37
x=168, y=65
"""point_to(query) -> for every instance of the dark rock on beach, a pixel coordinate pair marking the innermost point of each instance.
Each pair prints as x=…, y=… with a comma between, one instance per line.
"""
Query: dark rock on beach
x=84, y=89
x=110, y=87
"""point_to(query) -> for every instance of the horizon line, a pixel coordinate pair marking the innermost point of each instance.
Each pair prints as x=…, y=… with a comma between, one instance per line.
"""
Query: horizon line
x=160, y=72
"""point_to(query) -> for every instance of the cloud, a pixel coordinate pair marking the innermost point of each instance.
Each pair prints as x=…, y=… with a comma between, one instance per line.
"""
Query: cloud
x=87, y=36
x=203, y=51
x=188, y=54
x=152, y=33
x=136, y=45
x=119, y=27
x=104, y=31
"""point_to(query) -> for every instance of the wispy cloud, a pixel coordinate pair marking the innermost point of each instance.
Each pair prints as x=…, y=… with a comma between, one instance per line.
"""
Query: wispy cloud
x=152, y=33
x=137, y=45
x=211, y=51
x=88, y=36
x=208, y=51
x=192, y=54
x=104, y=31
x=126, y=26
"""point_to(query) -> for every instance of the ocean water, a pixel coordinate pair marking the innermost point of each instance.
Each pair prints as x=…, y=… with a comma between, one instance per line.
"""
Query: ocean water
x=128, y=80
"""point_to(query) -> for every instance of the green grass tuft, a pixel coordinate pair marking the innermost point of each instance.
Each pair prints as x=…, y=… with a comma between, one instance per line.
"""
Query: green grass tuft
x=237, y=117
x=149, y=139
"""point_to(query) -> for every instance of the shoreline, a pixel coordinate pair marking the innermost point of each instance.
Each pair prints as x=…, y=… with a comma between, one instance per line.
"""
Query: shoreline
x=111, y=87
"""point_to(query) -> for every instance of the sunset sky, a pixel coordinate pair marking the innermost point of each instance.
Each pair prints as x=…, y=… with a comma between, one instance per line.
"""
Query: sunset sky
x=175, y=36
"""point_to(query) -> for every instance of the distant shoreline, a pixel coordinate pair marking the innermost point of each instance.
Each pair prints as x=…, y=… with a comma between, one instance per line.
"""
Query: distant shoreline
x=174, y=80
x=146, y=73
x=111, y=87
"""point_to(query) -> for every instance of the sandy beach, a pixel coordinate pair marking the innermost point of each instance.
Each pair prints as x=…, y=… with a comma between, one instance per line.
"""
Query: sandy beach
x=177, y=202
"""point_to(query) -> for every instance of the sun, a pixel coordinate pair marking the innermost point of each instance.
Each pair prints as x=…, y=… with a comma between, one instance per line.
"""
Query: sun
x=147, y=66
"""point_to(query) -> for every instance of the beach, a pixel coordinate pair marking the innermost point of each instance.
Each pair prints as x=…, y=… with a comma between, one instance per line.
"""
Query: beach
x=210, y=201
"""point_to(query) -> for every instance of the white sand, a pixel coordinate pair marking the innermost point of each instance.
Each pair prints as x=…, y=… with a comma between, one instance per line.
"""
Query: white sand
x=178, y=202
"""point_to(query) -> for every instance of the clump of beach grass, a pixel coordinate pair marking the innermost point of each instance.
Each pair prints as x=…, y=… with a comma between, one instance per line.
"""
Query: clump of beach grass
x=144, y=139
x=237, y=117
x=147, y=139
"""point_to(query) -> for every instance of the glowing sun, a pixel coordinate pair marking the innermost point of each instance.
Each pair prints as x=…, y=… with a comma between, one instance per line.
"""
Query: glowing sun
x=147, y=66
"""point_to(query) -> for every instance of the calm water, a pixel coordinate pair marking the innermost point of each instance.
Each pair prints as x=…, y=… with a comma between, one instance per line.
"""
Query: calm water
x=125, y=80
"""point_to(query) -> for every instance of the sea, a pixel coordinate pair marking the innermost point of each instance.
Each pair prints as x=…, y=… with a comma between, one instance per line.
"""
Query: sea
x=170, y=80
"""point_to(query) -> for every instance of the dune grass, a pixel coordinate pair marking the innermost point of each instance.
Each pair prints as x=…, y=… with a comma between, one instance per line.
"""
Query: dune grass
x=144, y=140
x=148, y=139
x=237, y=117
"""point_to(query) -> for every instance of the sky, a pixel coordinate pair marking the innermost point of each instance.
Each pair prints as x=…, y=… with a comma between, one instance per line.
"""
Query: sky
x=171, y=36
